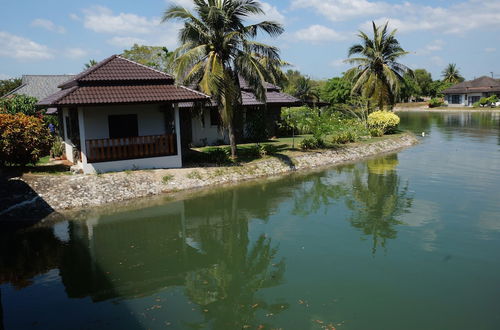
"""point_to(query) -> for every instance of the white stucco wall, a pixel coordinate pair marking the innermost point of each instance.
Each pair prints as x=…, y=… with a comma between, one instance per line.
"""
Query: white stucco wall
x=68, y=145
x=133, y=164
x=207, y=135
x=150, y=120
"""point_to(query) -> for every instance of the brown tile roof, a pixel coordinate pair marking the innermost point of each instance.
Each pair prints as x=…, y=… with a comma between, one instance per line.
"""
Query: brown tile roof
x=483, y=84
x=88, y=95
x=117, y=68
x=119, y=80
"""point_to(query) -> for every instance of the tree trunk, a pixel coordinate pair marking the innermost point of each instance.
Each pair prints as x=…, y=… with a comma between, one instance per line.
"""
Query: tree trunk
x=232, y=140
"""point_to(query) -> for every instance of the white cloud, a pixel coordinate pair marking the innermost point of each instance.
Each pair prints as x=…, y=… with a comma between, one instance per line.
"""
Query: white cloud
x=457, y=18
x=101, y=19
x=75, y=17
x=22, y=48
x=48, y=25
x=342, y=10
x=271, y=13
x=432, y=47
x=318, y=34
x=188, y=4
x=126, y=41
x=490, y=50
x=338, y=63
x=4, y=76
x=127, y=28
x=75, y=53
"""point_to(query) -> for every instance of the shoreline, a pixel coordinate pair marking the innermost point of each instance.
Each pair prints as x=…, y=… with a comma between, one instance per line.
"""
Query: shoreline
x=450, y=110
x=62, y=194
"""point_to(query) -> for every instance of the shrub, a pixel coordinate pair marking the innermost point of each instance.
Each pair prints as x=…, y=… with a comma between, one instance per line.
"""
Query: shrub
x=267, y=149
x=383, y=120
x=476, y=104
x=57, y=149
x=435, y=102
x=216, y=155
x=23, y=139
x=311, y=143
x=19, y=104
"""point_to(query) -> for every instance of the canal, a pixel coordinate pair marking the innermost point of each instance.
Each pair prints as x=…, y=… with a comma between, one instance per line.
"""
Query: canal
x=404, y=241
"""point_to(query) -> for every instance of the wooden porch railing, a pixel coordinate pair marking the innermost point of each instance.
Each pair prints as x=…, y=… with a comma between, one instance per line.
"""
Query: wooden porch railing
x=105, y=150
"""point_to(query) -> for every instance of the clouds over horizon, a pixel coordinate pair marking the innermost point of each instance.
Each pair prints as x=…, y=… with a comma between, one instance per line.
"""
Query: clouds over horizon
x=17, y=47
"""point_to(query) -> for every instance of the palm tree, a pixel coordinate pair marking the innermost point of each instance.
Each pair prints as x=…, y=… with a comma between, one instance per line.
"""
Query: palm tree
x=377, y=74
x=217, y=48
x=451, y=74
x=305, y=91
x=90, y=63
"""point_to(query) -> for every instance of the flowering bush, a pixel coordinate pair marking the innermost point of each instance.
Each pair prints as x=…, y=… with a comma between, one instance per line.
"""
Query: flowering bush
x=23, y=139
x=383, y=121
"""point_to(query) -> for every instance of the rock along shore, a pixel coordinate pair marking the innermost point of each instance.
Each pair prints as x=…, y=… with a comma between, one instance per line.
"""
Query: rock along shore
x=65, y=192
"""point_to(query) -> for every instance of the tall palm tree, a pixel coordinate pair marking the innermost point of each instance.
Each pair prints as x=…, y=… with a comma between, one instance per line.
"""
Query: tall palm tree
x=305, y=91
x=217, y=48
x=451, y=74
x=377, y=74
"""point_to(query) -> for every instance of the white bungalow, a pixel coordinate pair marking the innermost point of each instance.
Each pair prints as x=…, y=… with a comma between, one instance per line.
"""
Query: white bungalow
x=469, y=92
x=121, y=115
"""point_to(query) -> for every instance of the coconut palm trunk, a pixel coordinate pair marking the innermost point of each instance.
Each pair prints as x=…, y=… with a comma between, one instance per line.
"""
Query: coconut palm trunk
x=217, y=48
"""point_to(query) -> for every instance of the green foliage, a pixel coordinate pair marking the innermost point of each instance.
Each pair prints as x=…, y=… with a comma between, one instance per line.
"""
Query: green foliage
x=167, y=178
x=409, y=88
x=377, y=74
x=451, y=74
x=296, y=118
x=476, y=104
x=346, y=131
x=383, y=120
x=57, y=149
x=311, y=143
x=90, y=64
x=217, y=48
x=267, y=150
x=23, y=139
x=337, y=91
x=487, y=101
x=158, y=58
x=8, y=85
x=19, y=104
x=435, y=102
x=357, y=108
x=424, y=81
x=437, y=87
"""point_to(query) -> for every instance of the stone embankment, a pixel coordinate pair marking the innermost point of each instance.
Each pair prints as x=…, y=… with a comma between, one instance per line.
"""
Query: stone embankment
x=81, y=191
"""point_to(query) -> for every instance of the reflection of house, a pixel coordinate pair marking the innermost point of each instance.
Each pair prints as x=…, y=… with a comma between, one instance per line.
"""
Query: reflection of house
x=121, y=115
x=40, y=86
x=206, y=129
x=468, y=92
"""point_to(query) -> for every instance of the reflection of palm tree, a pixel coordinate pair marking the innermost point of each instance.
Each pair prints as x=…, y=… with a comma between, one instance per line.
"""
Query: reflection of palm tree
x=377, y=200
x=227, y=290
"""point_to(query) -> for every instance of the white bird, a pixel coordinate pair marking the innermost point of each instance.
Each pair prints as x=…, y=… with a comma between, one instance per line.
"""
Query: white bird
x=423, y=133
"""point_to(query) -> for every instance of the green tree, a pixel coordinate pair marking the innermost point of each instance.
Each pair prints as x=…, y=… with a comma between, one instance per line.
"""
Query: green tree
x=377, y=74
x=90, y=64
x=19, y=104
x=437, y=87
x=217, y=48
x=305, y=91
x=337, y=91
x=8, y=85
x=289, y=84
x=409, y=88
x=152, y=56
x=424, y=81
x=451, y=74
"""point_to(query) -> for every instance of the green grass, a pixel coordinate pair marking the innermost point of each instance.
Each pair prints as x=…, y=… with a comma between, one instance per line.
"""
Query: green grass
x=43, y=161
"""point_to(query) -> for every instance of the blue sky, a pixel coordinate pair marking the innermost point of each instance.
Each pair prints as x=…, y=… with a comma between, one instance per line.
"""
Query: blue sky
x=56, y=37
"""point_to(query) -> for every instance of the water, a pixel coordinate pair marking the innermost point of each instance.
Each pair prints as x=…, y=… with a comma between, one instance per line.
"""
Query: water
x=407, y=241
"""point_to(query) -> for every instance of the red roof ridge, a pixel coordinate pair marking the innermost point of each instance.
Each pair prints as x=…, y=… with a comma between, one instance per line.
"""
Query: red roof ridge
x=145, y=66
x=86, y=72
x=193, y=90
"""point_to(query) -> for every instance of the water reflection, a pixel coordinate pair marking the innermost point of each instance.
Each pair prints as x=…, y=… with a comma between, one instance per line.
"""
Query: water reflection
x=377, y=199
x=141, y=253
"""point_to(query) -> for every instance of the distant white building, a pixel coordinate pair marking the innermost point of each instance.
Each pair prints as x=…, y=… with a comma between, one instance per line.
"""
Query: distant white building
x=469, y=92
